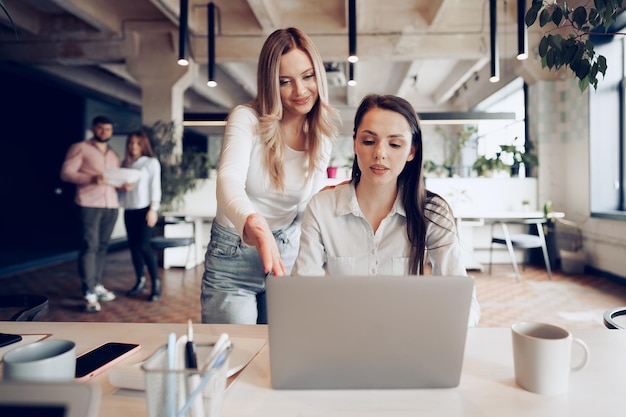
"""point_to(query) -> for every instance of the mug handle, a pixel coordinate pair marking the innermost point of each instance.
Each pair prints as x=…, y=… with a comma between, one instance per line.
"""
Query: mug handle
x=585, y=358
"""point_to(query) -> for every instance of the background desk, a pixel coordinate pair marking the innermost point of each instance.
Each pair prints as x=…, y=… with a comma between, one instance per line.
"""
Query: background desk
x=469, y=221
x=487, y=385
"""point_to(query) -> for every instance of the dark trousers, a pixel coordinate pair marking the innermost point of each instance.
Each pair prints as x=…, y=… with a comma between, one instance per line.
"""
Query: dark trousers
x=96, y=226
x=139, y=235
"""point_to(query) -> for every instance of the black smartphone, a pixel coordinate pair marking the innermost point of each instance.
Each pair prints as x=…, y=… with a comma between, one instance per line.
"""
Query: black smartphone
x=96, y=361
x=8, y=339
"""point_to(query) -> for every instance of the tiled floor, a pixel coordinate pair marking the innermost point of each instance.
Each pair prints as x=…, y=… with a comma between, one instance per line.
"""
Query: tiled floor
x=573, y=301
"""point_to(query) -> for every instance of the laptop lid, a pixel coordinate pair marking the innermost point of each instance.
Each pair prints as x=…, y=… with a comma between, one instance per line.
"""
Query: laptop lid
x=49, y=399
x=367, y=331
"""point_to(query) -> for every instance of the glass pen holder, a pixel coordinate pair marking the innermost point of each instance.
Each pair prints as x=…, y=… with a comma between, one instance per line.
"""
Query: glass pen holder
x=184, y=392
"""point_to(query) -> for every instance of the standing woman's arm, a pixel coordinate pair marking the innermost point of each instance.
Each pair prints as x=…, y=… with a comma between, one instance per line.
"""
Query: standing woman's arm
x=154, y=170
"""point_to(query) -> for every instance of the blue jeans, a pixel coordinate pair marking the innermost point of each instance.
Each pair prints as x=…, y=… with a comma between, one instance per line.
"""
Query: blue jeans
x=96, y=226
x=233, y=284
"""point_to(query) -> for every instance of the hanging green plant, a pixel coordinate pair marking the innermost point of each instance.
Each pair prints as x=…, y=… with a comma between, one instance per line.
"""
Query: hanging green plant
x=574, y=50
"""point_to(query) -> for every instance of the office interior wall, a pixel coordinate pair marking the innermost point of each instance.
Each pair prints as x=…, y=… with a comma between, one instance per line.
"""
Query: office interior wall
x=558, y=116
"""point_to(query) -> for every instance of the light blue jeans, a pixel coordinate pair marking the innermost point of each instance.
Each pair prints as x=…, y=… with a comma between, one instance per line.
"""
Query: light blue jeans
x=233, y=284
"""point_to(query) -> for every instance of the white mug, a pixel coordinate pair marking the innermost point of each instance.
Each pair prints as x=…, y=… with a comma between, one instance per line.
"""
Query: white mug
x=542, y=357
x=46, y=361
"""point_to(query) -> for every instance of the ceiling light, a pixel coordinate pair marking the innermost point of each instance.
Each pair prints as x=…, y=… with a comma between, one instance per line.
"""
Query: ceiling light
x=351, y=80
x=211, y=45
x=352, y=31
x=494, y=65
x=183, y=29
x=462, y=118
x=522, y=32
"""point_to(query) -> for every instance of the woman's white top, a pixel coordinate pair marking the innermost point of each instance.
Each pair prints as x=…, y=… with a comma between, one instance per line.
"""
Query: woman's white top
x=244, y=186
x=337, y=239
x=147, y=188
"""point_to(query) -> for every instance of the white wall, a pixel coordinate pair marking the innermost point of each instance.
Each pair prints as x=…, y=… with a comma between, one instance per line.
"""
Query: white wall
x=558, y=116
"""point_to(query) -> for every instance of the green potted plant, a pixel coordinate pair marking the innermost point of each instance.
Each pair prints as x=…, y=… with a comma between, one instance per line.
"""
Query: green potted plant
x=179, y=171
x=491, y=167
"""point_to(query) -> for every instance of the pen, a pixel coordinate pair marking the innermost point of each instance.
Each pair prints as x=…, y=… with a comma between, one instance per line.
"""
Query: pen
x=191, y=361
x=218, y=356
x=193, y=379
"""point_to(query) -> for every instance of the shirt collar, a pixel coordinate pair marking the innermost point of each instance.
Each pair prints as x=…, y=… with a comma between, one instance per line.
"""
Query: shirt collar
x=348, y=204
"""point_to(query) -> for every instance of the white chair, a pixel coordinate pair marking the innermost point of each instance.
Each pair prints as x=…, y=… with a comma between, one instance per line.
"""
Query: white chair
x=522, y=241
x=160, y=243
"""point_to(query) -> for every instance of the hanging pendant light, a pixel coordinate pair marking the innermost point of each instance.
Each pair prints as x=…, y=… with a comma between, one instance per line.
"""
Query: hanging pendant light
x=352, y=58
x=183, y=31
x=351, y=80
x=211, y=45
x=522, y=31
x=493, y=25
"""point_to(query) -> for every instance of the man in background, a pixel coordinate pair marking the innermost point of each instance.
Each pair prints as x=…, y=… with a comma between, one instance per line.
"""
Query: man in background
x=85, y=165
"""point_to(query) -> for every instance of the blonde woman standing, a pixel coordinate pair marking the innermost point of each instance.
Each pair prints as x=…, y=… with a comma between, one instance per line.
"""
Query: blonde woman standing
x=274, y=156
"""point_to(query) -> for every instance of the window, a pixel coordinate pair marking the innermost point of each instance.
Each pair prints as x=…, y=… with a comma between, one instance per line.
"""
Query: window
x=493, y=133
x=606, y=136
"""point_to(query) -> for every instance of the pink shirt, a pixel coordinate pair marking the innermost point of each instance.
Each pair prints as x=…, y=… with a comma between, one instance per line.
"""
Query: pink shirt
x=84, y=161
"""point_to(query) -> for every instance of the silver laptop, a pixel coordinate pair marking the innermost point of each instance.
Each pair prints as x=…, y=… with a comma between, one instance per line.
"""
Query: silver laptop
x=376, y=332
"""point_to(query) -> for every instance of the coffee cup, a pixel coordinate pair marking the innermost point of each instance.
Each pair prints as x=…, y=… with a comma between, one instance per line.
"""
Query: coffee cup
x=44, y=361
x=542, y=357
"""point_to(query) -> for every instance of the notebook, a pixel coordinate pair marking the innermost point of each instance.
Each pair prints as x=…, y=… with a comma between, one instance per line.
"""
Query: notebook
x=49, y=399
x=369, y=332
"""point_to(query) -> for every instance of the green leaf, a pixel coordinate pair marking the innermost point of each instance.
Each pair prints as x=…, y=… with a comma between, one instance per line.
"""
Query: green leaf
x=557, y=16
x=531, y=14
x=601, y=64
x=579, y=17
x=594, y=18
x=583, y=83
x=550, y=58
x=583, y=69
x=599, y=4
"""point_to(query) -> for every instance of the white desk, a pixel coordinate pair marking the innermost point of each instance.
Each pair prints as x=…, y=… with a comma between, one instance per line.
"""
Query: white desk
x=487, y=385
x=467, y=220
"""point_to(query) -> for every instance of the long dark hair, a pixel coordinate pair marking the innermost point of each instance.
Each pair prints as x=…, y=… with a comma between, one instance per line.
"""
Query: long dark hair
x=413, y=192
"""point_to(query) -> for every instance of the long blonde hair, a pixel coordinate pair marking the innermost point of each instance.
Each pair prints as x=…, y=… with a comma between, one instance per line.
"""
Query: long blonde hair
x=319, y=121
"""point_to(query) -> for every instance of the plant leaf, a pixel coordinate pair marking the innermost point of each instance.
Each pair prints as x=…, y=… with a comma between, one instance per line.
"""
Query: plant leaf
x=579, y=17
x=544, y=17
x=557, y=16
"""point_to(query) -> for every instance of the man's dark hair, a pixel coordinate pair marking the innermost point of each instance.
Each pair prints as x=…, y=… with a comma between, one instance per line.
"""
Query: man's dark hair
x=101, y=120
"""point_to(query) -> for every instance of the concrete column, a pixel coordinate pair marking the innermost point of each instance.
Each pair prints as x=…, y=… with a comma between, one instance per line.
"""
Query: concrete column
x=163, y=82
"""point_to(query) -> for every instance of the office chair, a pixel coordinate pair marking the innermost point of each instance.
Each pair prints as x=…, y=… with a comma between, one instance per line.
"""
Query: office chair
x=610, y=315
x=162, y=242
x=29, y=306
x=522, y=241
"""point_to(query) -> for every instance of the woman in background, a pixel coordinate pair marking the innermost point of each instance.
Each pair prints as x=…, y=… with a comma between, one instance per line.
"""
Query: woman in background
x=274, y=158
x=141, y=207
x=384, y=221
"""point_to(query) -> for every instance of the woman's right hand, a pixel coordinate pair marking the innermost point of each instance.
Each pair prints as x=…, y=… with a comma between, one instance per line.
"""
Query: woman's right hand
x=257, y=233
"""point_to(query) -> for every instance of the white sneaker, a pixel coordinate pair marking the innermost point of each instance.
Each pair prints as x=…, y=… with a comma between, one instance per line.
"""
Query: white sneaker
x=92, y=306
x=104, y=294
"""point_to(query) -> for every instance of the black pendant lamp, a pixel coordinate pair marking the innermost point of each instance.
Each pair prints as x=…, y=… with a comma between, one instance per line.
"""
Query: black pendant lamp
x=211, y=45
x=494, y=66
x=183, y=31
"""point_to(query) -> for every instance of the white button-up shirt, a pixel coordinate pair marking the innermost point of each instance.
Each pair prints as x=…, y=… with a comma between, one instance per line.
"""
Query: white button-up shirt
x=337, y=239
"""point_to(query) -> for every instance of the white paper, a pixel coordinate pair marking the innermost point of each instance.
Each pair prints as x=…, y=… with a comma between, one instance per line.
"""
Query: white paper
x=120, y=176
